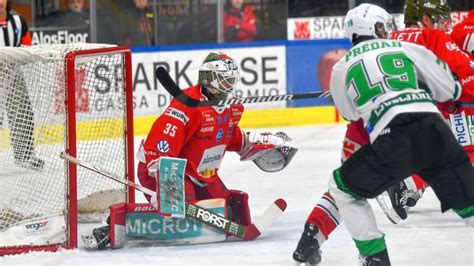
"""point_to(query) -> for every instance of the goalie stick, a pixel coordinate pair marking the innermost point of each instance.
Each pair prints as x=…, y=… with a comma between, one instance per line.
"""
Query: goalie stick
x=243, y=232
x=169, y=85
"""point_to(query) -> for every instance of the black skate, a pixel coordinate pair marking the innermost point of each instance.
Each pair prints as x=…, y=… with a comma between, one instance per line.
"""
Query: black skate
x=411, y=197
x=308, y=250
x=379, y=259
x=101, y=235
x=402, y=198
x=395, y=193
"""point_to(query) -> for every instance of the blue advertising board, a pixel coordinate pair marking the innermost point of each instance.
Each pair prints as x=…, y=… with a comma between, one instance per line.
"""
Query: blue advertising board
x=308, y=67
x=306, y=64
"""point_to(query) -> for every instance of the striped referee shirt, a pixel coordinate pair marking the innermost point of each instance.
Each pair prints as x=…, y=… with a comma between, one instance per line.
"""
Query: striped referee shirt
x=13, y=30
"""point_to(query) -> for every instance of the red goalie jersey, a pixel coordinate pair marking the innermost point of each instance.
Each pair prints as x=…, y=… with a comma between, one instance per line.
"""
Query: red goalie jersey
x=201, y=135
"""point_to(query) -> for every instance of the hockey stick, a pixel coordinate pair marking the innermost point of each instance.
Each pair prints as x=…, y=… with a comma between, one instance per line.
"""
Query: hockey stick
x=195, y=212
x=169, y=85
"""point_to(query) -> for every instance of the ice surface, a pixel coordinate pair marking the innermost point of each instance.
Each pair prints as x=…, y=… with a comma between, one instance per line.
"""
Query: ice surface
x=426, y=238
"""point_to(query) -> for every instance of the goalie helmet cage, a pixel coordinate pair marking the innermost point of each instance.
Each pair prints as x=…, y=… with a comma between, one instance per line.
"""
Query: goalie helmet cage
x=75, y=98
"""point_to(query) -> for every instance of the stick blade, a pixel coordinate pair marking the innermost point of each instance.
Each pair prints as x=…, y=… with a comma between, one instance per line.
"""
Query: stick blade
x=251, y=233
x=281, y=203
x=265, y=220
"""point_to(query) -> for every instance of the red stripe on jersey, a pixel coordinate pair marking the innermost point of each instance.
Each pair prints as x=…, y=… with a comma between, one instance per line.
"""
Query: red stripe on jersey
x=325, y=215
x=322, y=220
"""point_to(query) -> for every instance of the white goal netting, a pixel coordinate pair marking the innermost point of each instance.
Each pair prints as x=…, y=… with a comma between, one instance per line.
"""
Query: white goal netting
x=35, y=125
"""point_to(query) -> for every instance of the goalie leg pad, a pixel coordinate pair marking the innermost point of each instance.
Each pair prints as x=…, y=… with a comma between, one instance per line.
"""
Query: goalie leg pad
x=117, y=225
x=213, y=190
x=113, y=233
x=144, y=225
x=239, y=210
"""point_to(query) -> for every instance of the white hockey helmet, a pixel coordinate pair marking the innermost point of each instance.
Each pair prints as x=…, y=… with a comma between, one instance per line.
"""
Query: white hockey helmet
x=219, y=74
x=368, y=20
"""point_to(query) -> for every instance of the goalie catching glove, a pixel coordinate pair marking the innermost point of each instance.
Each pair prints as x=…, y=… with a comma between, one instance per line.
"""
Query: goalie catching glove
x=271, y=153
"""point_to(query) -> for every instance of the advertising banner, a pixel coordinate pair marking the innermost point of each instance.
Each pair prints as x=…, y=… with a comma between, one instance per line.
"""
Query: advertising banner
x=59, y=36
x=262, y=73
x=312, y=28
x=316, y=28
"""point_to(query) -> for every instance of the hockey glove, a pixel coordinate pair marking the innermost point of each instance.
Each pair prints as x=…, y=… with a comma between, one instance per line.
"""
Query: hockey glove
x=269, y=152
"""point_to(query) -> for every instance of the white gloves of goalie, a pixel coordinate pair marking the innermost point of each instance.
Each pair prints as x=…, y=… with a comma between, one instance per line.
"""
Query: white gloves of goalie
x=269, y=152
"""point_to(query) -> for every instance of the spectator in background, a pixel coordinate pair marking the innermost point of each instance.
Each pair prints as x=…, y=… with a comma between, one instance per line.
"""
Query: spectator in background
x=12, y=25
x=13, y=91
x=75, y=16
x=110, y=26
x=240, y=22
x=140, y=25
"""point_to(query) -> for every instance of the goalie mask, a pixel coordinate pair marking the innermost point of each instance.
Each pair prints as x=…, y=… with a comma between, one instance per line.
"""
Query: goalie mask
x=368, y=21
x=218, y=75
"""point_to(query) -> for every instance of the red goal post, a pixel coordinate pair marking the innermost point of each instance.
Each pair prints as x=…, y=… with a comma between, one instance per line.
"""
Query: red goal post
x=75, y=98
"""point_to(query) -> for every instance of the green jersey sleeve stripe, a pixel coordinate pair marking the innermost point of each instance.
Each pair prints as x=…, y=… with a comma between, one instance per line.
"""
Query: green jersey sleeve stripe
x=457, y=91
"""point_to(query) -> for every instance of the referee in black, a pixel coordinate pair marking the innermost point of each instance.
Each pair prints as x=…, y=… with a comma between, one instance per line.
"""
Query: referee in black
x=18, y=105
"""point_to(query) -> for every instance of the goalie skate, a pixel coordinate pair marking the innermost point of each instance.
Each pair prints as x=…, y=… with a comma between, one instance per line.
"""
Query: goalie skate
x=99, y=238
x=89, y=242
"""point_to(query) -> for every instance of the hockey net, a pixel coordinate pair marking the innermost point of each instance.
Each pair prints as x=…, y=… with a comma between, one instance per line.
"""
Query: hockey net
x=75, y=98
